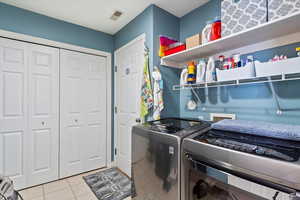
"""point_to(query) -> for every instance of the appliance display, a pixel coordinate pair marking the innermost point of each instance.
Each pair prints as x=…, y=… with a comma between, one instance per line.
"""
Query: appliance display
x=227, y=165
x=156, y=156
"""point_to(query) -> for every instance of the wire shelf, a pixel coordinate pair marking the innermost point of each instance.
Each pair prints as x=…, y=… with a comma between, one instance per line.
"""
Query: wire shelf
x=248, y=81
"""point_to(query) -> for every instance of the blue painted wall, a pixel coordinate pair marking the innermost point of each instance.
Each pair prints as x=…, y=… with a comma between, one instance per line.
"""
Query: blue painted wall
x=167, y=24
x=251, y=102
x=30, y=23
x=143, y=23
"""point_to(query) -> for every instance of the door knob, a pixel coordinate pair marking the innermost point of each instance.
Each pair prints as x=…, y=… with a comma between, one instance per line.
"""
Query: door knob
x=43, y=123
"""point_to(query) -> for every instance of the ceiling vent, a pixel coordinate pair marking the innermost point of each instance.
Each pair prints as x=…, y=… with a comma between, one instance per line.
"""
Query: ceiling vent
x=116, y=15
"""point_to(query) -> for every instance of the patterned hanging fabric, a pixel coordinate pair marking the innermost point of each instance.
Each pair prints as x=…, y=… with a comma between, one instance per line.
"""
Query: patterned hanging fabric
x=146, y=90
x=157, y=93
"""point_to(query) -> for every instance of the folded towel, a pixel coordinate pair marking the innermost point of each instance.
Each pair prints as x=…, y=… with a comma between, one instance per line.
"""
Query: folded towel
x=281, y=131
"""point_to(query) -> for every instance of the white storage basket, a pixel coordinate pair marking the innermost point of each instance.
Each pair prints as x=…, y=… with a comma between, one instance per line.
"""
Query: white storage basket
x=288, y=66
x=245, y=72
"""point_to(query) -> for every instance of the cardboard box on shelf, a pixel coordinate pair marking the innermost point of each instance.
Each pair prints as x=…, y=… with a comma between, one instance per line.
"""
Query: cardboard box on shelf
x=193, y=41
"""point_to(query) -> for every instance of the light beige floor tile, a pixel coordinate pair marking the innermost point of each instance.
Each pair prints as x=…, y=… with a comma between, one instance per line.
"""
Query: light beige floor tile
x=73, y=188
x=56, y=186
x=88, y=196
x=33, y=192
x=64, y=194
x=76, y=180
x=38, y=198
x=80, y=189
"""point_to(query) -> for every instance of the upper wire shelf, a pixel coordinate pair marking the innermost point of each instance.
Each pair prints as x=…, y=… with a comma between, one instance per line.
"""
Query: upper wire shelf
x=265, y=79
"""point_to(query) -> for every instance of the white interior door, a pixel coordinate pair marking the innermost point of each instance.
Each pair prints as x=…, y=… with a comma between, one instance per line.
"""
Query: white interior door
x=82, y=113
x=43, y=114
x=130, y=63
x=13, y=111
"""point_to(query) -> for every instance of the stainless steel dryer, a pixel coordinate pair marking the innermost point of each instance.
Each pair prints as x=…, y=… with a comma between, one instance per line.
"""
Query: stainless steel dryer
x=156, y=157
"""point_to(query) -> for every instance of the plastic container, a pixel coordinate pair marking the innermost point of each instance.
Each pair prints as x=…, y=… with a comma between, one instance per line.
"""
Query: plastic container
x=210, y=75
x=201, y=69
x=248, y=71
x=288, y=66
x=175, y=50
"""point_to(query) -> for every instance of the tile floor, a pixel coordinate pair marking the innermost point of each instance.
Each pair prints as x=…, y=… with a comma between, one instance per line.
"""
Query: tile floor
x=72, y=188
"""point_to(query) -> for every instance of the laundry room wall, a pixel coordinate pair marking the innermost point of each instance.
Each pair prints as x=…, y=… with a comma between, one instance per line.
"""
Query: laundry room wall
x=143, y=23
x=249, y=102
x=26, y=22
x=167, y=24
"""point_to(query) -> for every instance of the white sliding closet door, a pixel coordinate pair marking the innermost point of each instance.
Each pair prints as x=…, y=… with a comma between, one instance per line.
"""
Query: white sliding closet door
x=43, y=114
x=29, y=103
x=13, y=111
x=82, y=113
x=95, y=113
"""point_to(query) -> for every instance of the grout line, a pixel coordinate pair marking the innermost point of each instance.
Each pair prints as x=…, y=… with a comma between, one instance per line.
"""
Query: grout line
x=75, y=197
x=43, y=191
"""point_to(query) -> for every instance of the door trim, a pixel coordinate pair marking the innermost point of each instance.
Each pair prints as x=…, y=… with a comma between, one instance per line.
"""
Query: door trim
x=140, y=37
x=61, y=45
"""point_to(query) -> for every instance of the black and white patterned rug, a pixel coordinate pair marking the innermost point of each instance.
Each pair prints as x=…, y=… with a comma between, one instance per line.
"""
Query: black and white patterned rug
x=109, y=184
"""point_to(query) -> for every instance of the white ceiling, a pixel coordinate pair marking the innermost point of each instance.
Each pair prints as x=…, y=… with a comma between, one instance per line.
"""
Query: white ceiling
x=96, y=14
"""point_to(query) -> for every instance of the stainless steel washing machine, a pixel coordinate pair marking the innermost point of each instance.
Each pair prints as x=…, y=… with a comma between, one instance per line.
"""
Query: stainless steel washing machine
x=156, y=147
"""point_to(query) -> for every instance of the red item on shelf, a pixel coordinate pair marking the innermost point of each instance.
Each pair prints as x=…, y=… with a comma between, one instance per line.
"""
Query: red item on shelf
x=175, y=50
x=216, y=30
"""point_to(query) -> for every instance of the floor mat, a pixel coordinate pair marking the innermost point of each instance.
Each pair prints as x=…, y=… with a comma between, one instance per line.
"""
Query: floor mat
x=110, y=184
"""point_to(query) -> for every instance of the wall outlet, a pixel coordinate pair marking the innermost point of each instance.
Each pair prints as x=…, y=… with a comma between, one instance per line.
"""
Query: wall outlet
x=215, y=117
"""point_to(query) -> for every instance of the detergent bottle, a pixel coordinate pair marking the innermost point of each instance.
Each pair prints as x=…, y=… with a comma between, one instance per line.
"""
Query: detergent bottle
x=211, y=70
x=201, y=69
x=191, y=77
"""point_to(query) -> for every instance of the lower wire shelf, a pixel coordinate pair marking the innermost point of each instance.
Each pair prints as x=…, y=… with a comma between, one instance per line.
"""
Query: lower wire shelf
x=255, y=80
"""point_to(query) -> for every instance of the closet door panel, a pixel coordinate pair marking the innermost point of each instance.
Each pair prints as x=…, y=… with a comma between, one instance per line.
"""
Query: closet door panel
x=13, y=111
x=72, y=124
x=83, y=112
x=96, y=112
x=43, y=114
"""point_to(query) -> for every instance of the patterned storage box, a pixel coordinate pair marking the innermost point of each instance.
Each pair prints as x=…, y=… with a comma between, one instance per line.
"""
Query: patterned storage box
x=281, y=8
x=241, y=15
